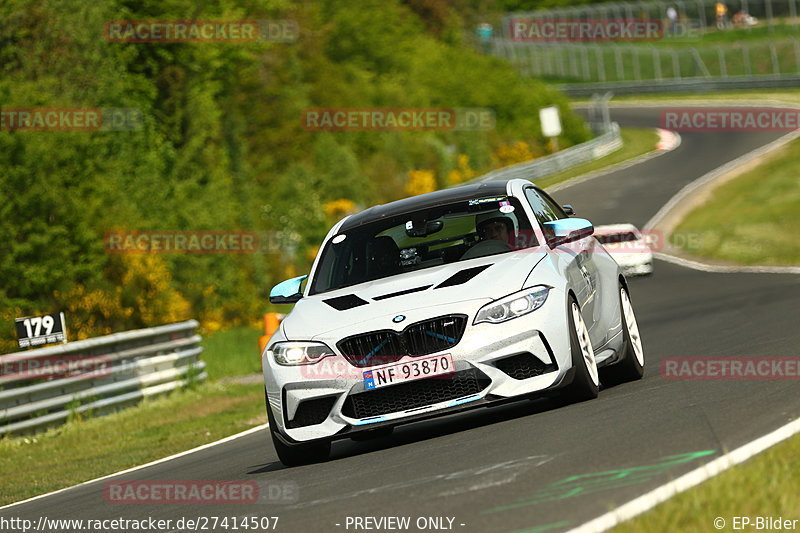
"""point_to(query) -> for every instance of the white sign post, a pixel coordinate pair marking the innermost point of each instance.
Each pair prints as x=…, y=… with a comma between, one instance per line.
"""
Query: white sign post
x=551, y=124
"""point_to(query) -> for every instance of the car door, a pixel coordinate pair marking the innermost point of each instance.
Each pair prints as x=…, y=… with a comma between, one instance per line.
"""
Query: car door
x=575, y=260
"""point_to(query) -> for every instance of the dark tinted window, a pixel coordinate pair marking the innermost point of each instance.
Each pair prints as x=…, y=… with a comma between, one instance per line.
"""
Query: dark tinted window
x=554, y=207
x=544, y=210
x=614, y=238
x=421, y=239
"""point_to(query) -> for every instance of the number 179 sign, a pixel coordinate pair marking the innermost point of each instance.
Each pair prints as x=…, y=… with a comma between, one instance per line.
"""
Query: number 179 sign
x=38, y=330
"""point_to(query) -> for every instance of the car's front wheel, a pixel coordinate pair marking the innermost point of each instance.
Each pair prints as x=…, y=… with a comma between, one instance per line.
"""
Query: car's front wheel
x=631, y=366
x=297, y=454
x=586, y=380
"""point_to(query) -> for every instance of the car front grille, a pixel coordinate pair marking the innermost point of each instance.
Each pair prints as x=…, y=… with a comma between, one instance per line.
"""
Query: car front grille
x=311, y=412
x=421, y=338
x=524, y=365
x=413, y=394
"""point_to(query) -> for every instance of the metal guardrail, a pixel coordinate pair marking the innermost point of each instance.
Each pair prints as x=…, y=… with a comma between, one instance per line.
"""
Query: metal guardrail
x=619, y=63
x=682, y=86
x=567, y=158
x=44, y=387
x=681, y=62
x=701, y=13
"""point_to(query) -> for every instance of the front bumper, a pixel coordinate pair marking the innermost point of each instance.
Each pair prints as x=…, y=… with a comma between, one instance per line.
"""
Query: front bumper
x=635, y=264
x=493, y=362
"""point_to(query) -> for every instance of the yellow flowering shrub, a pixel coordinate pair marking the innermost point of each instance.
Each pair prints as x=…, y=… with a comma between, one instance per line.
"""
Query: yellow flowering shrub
x=420, y=182
x=339, y=208
x=93, y=312
x=463, y=172
x=147, y=281
x=511, y=154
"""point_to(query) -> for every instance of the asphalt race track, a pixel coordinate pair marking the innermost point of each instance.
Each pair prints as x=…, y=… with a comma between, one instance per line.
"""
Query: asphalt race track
x=534, y=463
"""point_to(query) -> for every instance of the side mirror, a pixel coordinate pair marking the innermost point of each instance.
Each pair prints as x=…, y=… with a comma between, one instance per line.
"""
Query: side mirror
x=568, y=209
x=568, y=230
x=287, y=292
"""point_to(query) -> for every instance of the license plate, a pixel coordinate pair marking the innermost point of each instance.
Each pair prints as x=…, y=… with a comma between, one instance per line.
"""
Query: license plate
x=381, y=376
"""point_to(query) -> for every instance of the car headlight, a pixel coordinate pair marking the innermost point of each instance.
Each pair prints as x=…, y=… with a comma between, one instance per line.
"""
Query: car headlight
x=299, y=353
x=513, y=305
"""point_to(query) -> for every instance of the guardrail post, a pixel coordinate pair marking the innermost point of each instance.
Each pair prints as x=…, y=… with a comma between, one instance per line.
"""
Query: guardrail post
x=776, y=68
x=701, y=12
x=770, y=17
x=656, y=64
x=619, y=64
x=601, y=67
x=723, y=68
x=796, y=46
x=746, y=59
x=676, y=65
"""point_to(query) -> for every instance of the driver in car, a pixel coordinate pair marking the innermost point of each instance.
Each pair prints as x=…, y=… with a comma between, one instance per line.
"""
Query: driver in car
x=496, y=231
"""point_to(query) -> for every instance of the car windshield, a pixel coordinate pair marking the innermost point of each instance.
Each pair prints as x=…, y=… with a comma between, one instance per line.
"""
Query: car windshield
x=422, y=239
x=615, y=238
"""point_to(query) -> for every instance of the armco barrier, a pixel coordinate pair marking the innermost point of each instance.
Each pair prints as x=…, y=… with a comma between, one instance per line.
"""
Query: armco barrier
x=44, y=387
x=567, y=158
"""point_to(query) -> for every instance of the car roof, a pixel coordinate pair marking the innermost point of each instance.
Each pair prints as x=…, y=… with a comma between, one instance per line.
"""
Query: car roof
x=423, y=201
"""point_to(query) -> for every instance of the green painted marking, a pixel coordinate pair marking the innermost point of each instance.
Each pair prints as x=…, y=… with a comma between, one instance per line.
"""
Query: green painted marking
x=583, y=484
x=540, y=529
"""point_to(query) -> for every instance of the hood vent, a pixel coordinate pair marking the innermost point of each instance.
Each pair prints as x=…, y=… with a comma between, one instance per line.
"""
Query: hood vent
x=343, y=303
x=401, y=293
x=463, y=276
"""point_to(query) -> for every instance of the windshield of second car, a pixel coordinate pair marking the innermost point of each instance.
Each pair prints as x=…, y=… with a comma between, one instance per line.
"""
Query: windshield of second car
x=423, y=239
x=616, y=238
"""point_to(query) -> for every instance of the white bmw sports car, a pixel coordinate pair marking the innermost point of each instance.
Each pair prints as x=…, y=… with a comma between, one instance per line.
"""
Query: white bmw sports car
x=628, y=247
x=442, y=302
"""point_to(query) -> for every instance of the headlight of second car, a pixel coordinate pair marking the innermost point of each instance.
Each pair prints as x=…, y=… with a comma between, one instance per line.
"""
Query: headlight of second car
x=513, y=305
x=299, y=353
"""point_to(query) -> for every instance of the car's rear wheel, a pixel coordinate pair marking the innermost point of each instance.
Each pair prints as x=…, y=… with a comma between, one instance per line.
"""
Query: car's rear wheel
x=631, y=366
x=586, y=381
x=297, y=454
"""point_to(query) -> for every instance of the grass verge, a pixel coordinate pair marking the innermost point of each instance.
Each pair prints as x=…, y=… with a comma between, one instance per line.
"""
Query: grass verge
x=753, y=219
x=767, y=485
x=635, y=142
x=233, y=352
x=90, y=448
x=791, y=96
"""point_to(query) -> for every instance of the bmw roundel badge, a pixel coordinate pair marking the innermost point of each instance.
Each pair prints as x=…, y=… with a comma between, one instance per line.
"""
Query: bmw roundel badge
x=398, y=319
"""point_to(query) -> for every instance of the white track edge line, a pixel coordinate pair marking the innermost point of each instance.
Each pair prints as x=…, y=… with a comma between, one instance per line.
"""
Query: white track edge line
x=708, y=267
x=140, y=467
x=691, y=479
